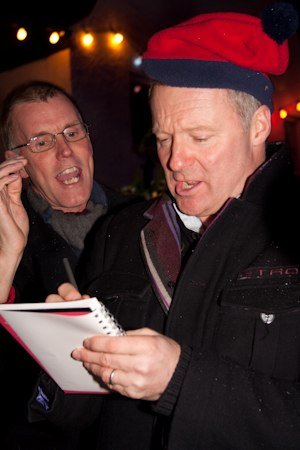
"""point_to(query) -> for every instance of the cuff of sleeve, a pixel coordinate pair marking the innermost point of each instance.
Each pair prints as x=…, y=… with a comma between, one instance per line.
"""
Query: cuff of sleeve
x=40, y=404
x=11, y=295
x=65, y=411
x=169, y=397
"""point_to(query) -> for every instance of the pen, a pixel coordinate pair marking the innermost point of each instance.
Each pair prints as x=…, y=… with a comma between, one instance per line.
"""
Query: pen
x=70, y=273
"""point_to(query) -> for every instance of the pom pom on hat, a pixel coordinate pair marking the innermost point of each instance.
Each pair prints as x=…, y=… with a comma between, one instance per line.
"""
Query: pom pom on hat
x=280, y=21
x=224, y=50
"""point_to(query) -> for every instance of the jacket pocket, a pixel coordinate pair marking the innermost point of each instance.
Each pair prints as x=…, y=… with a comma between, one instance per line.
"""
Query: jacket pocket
x=127, y=296
x=259, y=328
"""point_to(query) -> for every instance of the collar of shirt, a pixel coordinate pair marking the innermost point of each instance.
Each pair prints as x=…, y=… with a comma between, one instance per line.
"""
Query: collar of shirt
x=192, y=223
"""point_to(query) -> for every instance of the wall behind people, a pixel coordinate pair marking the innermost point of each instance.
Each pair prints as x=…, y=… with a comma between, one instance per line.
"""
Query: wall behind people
x=55, y=68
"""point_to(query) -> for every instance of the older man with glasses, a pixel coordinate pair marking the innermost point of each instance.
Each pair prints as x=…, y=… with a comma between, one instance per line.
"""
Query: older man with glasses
x=48, y=144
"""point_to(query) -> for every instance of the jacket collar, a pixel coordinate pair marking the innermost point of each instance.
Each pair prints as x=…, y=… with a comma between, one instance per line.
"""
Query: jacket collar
x=160, y=241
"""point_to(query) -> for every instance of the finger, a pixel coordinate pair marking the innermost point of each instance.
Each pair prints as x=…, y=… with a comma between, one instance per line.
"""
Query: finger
x=108, y=344
x=68, y=292
x=142, y=332
x=52, y=298
x=128, y=384
x=120, y=378
x=10, y=170
x=8, y=179
x=137, y=363
x=14, y=188
x=12, y=165
x=131, y=343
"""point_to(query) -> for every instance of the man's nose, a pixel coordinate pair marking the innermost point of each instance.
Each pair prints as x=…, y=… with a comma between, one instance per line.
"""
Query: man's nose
x=180, y=156
x=62, y=146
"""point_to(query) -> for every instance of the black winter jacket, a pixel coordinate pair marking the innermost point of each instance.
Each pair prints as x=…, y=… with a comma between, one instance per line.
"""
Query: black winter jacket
x=235, y=311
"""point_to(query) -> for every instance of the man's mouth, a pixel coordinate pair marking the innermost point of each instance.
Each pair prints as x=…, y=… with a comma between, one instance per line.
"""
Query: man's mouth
x=69, y=176
x=186, y=185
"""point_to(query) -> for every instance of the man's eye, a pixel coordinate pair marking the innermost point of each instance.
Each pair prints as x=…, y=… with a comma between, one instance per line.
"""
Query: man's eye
x=41, y=143
x=162, y=141
x=200, y=138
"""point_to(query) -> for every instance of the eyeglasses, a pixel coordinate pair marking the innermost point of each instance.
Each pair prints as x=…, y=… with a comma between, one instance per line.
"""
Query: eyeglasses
x=44, y=142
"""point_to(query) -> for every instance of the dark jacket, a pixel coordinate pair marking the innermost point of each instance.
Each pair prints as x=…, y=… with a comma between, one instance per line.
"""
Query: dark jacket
x=40, y=272
x=234, y=310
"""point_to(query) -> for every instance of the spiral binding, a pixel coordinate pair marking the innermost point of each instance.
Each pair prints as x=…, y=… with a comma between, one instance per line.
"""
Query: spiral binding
x=107, y=321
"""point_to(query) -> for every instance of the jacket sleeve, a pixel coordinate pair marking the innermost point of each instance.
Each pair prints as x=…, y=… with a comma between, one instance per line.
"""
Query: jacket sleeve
x=67, y=411
x=167, y=401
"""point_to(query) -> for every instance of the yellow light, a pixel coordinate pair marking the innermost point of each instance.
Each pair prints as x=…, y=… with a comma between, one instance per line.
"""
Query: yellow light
x=87, y=39
x=116, y=39
x=21, y=34
x=298, y=106
x=283, y=113
x=54, y=37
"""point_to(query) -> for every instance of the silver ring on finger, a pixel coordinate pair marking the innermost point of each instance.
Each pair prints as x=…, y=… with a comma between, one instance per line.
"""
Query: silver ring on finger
x=111, y=377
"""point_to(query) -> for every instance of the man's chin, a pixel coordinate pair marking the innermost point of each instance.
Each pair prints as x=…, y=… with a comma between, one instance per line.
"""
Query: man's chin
x=73, y=205
x=185, y=208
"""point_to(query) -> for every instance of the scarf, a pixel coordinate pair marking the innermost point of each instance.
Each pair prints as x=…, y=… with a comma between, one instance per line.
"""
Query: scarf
x=72, y=227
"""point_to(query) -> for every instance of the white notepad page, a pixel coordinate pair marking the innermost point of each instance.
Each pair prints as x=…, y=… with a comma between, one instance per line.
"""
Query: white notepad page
x=50, y=331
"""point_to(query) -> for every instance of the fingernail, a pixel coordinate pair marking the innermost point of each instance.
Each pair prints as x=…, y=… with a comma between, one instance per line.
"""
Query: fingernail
x=76, y=353
x=86, y=342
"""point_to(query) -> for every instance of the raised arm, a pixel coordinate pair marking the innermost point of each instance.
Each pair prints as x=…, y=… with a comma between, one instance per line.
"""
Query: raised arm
x=14, y=225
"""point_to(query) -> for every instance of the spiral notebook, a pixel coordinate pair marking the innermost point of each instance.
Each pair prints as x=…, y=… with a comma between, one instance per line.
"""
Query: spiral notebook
x=50, y=331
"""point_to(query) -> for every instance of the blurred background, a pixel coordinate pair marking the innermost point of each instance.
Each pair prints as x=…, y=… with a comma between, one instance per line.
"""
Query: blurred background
x=92, y=49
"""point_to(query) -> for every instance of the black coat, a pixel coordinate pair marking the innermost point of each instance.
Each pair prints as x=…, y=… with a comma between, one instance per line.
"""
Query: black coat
x=235, y=312
x=39, y=274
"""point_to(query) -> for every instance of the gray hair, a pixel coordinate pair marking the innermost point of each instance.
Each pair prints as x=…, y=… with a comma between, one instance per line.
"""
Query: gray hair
x=244, y=104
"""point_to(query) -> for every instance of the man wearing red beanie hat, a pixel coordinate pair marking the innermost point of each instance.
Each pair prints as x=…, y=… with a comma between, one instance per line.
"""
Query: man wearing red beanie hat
x=212, y=268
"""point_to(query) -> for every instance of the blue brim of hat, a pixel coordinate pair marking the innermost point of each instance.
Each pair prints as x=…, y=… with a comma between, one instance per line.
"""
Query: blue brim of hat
x=210, y=74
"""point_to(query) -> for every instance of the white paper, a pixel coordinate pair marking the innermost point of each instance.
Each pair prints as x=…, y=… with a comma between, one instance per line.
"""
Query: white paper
x=50, y=336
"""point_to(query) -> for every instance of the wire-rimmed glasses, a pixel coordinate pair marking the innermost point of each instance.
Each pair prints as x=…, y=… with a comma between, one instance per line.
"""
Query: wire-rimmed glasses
x=45, y=141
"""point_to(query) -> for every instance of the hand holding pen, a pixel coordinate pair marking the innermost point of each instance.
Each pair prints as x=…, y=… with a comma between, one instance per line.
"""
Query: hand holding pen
x=67, y=291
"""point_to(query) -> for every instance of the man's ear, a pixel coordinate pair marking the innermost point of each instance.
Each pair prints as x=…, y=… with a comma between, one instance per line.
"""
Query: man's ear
x=10, y=154
x=261, y=125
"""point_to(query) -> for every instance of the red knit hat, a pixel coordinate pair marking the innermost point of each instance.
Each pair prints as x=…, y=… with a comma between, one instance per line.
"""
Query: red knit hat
x=224, y=50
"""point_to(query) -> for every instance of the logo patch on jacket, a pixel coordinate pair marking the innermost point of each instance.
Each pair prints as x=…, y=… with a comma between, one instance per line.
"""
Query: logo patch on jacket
x=268, y=272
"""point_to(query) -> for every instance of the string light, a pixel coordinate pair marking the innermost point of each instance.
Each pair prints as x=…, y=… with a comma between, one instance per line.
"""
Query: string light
x=21, y=34
x=87, y=39
x=55, y=36
x=115, y=39
x=283, y=113
x=290, y=110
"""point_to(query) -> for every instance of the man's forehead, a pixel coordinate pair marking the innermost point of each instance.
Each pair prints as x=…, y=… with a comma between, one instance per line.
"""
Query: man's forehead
x=163, y=95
